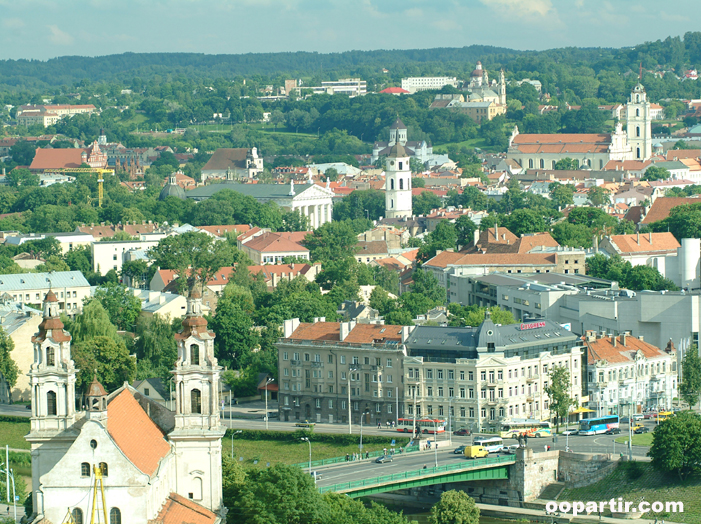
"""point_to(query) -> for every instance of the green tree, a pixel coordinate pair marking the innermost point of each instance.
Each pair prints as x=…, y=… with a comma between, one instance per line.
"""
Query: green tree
x=155, y=347
x=8, y=367
x=567, y=163
x=22, y=177
x=465, y=229
x=136, y=272
x=106, y=358
x=562, y=195
x=120, y=303
x=425, y=202
x=653, y=173
x=427, y=285
x=475, y=317
x=455, y=507
x=233, y=325
x=417, y=182
x=196, y=255
x=280, y=494
x=676, y=445
x=572, y=235
x=93, y=321
x=558, y=391
x=23, y=152
x=524, y=221
x=599, y=196
x=332, y=241
x=331, y=173
x=690, y=386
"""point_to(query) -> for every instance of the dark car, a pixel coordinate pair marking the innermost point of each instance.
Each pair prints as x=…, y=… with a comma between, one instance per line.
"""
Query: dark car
x=643, y=429
x=625, y=420
x=459, y=450
x=462, y=432
x=613, y=431
x=383, y=458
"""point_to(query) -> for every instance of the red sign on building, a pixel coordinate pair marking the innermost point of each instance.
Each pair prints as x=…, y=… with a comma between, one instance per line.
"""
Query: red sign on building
x=532, y=325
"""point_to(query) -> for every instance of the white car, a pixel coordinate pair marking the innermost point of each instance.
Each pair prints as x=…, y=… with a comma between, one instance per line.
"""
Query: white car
x=569, y=432
x=509, y=450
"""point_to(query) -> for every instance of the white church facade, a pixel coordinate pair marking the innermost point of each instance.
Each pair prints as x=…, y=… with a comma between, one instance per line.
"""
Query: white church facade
x=155, y=464
x=591, y=150
x=398, y=195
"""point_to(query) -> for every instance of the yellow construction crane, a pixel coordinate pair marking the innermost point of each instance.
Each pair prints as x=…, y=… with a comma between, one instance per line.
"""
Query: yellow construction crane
x=100, y=172
x=98, y=516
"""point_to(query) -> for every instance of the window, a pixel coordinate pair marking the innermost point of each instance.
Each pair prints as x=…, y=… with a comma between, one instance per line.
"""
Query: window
x=389, y=379
x=104, y=469
x=429, y=410
x=116, y=516
x=401, y=180
x=389, y=408
x=296, y=356
x=195, y=355
x=530, y=163
x=429, y=373
x=330, y=374
x=317, y=357
x=195, y=401
x=85, y=469
x=391, y=184
x=542, y=163
x=440, y=391
x=483, y=412
x=366, y=360
x=471, y=393
x=500, y=375
x=483, y=375
x=343, y=359
x=51, y=403
x=462, y=375
x=356, y=361
x=50, y=356
x=440, y=374
x=307, y=357
x=147, y=392
x=470, y=375
x=462, y=392
x=389, y=362
x=330, y=359
x=317, y=403
x=429, y=391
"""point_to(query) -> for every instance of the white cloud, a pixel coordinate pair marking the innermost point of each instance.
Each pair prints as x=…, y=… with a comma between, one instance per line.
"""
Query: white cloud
x=13, y=23
x=528, y=8
x=59, y=37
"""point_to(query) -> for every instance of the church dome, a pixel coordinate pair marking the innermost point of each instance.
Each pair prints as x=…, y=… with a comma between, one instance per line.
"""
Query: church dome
x=478, y=70
x=397, y=151
x=172, y=190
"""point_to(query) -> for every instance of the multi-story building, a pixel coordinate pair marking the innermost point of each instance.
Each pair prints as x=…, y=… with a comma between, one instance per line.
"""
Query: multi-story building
x=330, y=371
x=625, y=374
x=344, y=86
x=425, y=83
x=70, y=288
x=49, y=114
x=480, y=377
x=477, y=377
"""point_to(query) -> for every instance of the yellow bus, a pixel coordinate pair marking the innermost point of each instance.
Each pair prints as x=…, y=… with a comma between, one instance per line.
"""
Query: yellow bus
x=664, y=415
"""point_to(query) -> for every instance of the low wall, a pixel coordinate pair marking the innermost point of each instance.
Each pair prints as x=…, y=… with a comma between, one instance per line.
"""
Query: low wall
x=579, y=469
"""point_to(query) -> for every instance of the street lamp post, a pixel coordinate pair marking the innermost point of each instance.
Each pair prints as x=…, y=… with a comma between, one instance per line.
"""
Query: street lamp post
x=232, y=442
x=435, y=441
x=362, y=415
x=266, y=400
x=305, y=439
x=450, y=421
x=350, y=426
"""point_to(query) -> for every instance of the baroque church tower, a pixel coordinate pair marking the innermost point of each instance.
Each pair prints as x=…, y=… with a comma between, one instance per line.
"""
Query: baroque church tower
x=398, y=183
x=198, y=431
x=52, y=381
x=639, y=127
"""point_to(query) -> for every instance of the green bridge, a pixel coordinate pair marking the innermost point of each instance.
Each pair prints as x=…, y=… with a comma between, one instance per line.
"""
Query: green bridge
x=491, y=468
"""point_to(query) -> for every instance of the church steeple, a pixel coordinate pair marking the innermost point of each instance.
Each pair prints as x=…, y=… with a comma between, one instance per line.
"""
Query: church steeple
x=398, y=183
x=52, y=375
x=198, y=430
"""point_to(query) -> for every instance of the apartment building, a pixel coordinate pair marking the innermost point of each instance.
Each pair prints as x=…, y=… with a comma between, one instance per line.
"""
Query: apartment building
x=70, y=288
x=478, y=378
x=425, y=83
x=329, y=371
x=472, y=377
x=626, y=374
x=345, y=86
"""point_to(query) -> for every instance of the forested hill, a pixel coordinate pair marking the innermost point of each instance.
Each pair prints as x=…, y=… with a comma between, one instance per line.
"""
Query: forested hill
x=68, y=70
x=673, y=53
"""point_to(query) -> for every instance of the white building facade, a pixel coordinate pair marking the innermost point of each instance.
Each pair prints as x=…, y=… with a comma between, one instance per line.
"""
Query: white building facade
x=426, y=83
x=398, y=202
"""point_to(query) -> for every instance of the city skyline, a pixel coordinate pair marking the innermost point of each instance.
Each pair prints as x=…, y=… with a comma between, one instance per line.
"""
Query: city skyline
x=45, y=29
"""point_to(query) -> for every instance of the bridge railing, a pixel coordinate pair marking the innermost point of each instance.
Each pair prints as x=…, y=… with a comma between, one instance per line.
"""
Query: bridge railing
x=429, y=472
x=338, y=460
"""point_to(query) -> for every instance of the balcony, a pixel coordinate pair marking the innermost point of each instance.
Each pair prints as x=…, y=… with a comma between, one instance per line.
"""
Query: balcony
x=295, y=362
x=529, y=398
x=532, y=378
x=317, y=364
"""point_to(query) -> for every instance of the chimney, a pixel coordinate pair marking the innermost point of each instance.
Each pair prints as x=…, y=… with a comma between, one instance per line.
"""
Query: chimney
x=623, y=339
x=406, y=331
x=638, y=237
x=650, y=237
x=590, y=336
x=290, y=326
x=345, y=329
x=496, y=231
x=640, y=338
x=613, y=340
x=476, y=237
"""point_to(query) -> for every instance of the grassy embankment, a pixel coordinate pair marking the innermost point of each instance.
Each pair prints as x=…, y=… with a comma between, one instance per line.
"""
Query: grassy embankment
x=636, y=481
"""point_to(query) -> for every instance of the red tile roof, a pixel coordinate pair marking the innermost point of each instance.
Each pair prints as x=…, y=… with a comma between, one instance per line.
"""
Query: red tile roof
x=139, y=438
x=562, y=143
x=109, y=231
x=394, y=90
x=603, y=349
x=443, y=260
x=57, y=158
x=179, y=510
x=680, y=154
x=645, y=243
x=220, y=278
x=662, y=206
x=360, y=334
x=274, y=243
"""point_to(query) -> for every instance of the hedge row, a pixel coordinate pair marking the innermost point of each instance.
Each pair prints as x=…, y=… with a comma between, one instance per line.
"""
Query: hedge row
x=14, y=420
x=330, y=438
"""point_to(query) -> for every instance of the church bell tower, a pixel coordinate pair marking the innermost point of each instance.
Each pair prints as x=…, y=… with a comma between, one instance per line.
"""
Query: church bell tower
x=398, y=183
x=198, y=430
x=639, y=128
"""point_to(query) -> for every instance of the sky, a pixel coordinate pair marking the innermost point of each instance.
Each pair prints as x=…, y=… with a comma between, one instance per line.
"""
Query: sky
x=44, y=29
